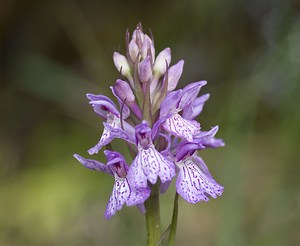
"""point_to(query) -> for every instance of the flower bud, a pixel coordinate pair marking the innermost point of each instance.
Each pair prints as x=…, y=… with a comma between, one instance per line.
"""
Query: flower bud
x=133, y=50
x=138, y=37
x=121, y=64
x=145, y=70
x=174, y=74
x=148, y=47
x=123, y=91
x=162, y=61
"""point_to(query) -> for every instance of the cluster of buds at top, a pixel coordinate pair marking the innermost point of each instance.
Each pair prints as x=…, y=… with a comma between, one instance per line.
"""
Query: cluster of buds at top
x=158, y=124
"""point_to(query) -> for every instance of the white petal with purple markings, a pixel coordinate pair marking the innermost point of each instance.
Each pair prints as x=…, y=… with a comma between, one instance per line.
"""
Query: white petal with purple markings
x=106, y=137
x=181, y=127
x=149, y=165
x=119, y=195
x=195, y=184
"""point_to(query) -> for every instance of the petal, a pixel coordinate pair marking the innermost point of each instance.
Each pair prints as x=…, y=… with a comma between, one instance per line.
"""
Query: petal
x=93, y=164
x=165, y=186
x=145, y=70
x=136, y=175
x=206, y=138
x=133, y=50
x=162, y=61
x=143, y=135
x=121, y=63
x=102, y=105
x=170, y=103
x=123, y=91
x=111, y=207
x=107, y=136
x=93, y=97
x=181, y=127
x=148, y=43
x=174, y=74
x=155, y=165
x=117, y=163
x=138, y=35
x=194, y=182
x=157, y=125
x=121, y=192
x=186, y=149
x=138, y=196
x=105, y=139
x=124, y=94
x=192, y=110
x=127, y=134
x=190, y=92
x=125, y=111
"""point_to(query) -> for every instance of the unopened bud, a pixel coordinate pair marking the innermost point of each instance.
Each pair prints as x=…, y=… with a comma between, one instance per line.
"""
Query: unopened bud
x=162, y=61
x=145, y=70
x=121, y=64
x=133, y=50
x=123, y=91
x=148, y=47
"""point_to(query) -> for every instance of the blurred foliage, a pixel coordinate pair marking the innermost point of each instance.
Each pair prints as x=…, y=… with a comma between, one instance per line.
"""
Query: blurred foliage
x=53, y=52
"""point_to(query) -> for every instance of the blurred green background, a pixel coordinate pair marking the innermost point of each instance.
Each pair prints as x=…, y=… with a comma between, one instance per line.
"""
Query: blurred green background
x=53, y=52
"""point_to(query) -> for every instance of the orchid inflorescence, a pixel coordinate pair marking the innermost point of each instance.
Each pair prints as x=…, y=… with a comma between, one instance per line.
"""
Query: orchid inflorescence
x=158, y=124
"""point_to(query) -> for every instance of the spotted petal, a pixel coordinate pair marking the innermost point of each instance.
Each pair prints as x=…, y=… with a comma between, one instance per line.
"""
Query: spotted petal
x=136, y=175
x=149, y=164
x=194, y=182
x=118, y=132
x=119, y=195
x=181, y=127
x=93, y=164
x=138, y=196
x=106, y=137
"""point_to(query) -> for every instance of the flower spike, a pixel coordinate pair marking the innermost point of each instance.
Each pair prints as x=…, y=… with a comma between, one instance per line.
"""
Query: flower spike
x=157, y=123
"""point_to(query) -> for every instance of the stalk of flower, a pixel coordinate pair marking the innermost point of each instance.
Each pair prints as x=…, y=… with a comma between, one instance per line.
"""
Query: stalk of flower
x=158, y=124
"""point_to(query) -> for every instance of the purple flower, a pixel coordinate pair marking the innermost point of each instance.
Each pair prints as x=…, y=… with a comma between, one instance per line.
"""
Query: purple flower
x=194, y=182
x=162, y=61
x=207, y=138
x=141, y=43
x=146, y=91
x=149, y=164
x=123, y=192
x=105, y=108
x=124, y=94
x=195, y=107
x=122, y=65
x=145, y=70
x=175, y=102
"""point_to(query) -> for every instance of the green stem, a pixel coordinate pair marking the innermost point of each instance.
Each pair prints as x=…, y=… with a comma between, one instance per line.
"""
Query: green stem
x=172, y=234
x=153, y=217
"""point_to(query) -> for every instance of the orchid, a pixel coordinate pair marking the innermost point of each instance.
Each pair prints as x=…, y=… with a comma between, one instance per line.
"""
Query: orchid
x=159, y=128
x=123, y=192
